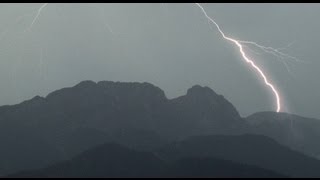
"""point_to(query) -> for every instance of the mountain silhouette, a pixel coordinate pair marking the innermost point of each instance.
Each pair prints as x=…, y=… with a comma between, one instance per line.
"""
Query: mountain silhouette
x=113, y=111
x=45, y=130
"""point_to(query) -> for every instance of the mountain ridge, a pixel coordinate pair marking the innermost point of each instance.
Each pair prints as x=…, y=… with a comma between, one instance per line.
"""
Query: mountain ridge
x=137, y=115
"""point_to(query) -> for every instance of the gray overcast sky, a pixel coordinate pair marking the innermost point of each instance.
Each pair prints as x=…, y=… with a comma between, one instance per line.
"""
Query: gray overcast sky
x=169, y=45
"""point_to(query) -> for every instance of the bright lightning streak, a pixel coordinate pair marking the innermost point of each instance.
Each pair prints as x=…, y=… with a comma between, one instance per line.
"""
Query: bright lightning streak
x=279, y=57
x=244, y=56
x=271, y=50
x=36, y=17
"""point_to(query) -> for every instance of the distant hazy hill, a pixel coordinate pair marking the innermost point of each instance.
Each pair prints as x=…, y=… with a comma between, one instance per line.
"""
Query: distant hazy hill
x=297, y=132
x=46, y=130
x=254, y=150
x=112, y=160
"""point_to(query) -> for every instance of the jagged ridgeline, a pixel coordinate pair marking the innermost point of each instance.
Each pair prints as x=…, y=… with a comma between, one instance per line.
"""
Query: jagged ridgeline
x=66, y=126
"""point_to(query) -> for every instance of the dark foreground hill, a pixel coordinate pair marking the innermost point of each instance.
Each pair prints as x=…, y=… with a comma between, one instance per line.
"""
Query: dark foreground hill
x=112, y=160
x=202, y=156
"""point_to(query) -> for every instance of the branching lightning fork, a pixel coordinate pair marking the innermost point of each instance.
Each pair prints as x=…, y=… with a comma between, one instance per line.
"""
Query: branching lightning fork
x=239, y=43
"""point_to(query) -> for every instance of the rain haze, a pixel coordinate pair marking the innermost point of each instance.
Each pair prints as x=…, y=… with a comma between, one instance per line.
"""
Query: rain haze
x=172, y=46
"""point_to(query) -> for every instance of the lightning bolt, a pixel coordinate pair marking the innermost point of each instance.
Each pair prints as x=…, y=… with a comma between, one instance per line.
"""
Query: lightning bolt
x=279, y=57
x=36, y=17
x=271, y=50
x=239, y=44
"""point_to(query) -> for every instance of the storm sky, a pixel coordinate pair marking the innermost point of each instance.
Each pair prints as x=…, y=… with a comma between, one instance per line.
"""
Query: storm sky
x=169, y=45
